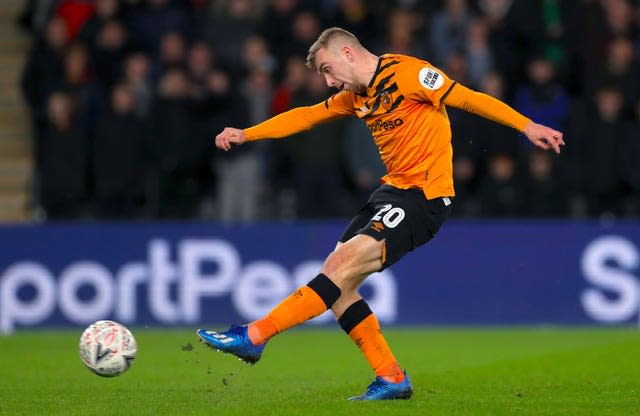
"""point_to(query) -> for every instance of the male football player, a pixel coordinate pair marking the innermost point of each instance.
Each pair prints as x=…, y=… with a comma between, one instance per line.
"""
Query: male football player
x=403, y=101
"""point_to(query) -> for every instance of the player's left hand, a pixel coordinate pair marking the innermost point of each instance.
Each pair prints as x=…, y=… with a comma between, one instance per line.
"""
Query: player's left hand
x=544, y=137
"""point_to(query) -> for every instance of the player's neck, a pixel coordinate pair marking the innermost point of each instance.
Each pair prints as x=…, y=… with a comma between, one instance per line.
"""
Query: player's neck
x=368, y=68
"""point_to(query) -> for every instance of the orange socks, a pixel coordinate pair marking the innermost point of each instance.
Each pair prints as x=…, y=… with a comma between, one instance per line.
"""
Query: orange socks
x=363, y=328
x=358, y=321
x=305, y=303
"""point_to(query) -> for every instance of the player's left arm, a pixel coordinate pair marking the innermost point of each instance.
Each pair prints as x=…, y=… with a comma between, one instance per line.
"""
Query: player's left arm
x=493, y=109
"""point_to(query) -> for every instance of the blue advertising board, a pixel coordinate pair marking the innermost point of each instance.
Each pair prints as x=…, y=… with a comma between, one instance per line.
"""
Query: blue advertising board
x=473, y=272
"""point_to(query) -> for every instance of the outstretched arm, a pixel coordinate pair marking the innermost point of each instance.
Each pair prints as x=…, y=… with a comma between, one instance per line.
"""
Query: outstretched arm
x=493, y=109
x=288, y=123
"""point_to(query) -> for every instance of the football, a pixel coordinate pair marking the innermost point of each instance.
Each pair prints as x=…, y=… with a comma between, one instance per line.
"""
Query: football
x=107, y=348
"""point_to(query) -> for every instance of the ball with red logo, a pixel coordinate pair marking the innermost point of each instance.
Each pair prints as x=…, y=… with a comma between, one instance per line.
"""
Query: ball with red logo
x=107, y=348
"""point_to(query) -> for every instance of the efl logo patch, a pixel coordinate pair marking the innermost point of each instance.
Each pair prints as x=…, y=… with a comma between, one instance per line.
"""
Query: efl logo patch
x=430, y=78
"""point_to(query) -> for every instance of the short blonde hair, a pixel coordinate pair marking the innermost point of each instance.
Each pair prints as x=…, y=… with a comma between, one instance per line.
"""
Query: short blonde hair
x=326, y=37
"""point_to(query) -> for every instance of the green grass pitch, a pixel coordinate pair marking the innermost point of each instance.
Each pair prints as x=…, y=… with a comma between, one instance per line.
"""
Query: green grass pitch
x=460, y=371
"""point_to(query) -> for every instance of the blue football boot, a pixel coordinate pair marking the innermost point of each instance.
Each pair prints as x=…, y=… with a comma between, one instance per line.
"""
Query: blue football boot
x=234, y=341
x=382, y=389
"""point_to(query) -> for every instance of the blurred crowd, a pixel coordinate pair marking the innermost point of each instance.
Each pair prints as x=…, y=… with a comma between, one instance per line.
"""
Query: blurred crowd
x=126, y=97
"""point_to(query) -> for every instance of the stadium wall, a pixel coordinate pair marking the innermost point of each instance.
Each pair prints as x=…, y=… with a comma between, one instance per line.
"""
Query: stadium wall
x=473, y=273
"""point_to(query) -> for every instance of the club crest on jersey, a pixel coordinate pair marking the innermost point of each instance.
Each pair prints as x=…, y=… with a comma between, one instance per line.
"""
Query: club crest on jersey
x=430, y=78
x=385, y=100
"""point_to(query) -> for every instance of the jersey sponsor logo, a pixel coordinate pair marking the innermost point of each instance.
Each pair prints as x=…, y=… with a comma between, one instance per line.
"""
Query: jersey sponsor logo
x=379, y=125
x=430, y=78
x=377, y=226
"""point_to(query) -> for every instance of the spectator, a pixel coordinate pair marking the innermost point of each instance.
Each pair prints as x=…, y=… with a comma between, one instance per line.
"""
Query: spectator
x=105, y=11
x=478, y=52
x=294, y=79
x=79, y=84
x=63, y=164
x=228, y=28
x=362, y=160
x=631, y=171
x=110, y=51
x=156, y=18
x=34, y=15
x=120, y=158
x=498, y=16
x=137, y=75
x=493, y=138
x=171, y=55
x=619, y=19
x=465, y=178
x=215, y=105
x=200, y=63
x=544, y=195
x=304, y=31
x=542, y=98
x=400, y=36
x=456, y=66
x=357, y=17
x=315, y=156
x=243, y=169
x=256, y=56
x=275, y=26
x=44, y=69
x=42, y=74
x=604, y=153
x=620, y=69
x=500, y=191
x=75, y=13
x=449, y=30
x=175, y=153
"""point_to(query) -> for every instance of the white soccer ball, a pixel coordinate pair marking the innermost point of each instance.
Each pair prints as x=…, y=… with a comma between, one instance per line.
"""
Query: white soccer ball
x=107, y=348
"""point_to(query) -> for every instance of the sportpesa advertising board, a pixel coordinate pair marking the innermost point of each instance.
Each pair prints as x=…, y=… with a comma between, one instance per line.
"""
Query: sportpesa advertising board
x=473, y=273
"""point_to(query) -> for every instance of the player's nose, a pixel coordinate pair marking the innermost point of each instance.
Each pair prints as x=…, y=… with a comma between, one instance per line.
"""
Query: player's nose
x=330, y=82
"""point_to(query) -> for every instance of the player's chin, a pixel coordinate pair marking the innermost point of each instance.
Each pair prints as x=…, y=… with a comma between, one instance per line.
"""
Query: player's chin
x=353, y=89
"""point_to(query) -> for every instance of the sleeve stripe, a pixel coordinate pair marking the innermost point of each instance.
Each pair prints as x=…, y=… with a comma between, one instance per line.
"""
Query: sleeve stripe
x=448, y=91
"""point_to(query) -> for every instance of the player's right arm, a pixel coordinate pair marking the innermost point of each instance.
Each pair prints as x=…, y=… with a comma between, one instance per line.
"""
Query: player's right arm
x=290, y=122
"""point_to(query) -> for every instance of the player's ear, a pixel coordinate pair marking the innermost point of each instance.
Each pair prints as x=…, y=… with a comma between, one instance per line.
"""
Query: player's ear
x=348, y=53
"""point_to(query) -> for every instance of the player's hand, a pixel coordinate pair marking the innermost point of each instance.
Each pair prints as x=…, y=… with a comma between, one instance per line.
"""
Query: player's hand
x=544, y=137
x=228, y=136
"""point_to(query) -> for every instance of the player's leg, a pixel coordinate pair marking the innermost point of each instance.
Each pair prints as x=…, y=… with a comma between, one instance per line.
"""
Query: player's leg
x=353, y=313
x=346, y=264
x=401, y=221
x=248, y=341
x=358, y=258
x=358, y=321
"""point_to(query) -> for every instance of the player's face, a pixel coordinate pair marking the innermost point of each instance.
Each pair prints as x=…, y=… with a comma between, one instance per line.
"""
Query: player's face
x=337, y=70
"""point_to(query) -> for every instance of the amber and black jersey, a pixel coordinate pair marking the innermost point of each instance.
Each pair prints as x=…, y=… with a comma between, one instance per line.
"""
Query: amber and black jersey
x=404, y=110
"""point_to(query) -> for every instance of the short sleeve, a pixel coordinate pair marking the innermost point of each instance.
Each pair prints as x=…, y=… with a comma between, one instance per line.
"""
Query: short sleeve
x=420, y=81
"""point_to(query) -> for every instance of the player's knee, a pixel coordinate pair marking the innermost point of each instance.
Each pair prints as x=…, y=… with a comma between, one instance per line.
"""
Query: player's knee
x=351, y=261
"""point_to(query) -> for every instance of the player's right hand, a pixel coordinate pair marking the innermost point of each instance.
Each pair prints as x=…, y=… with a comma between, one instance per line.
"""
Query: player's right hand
x=228, y=136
